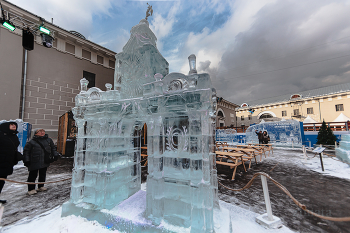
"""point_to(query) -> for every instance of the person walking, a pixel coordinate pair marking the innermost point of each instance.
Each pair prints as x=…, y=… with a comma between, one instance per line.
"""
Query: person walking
x=34, y=154
x=260, y=136
x=265, y=138
x=8, y=151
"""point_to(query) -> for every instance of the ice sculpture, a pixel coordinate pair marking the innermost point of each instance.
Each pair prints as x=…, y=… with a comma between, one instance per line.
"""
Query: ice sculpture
x=179, y=111
x=283, y=133
x=226, y=135
x=343, y=151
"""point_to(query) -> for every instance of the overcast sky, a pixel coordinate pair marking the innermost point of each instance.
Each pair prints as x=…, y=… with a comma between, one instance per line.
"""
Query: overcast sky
x=252, y=49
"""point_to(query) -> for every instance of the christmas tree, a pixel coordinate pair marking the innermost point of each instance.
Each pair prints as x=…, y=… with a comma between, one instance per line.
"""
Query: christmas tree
x=325, y=135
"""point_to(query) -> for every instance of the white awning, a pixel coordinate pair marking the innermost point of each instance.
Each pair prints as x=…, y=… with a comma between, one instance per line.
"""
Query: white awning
x=308, y=119
x=342, y=118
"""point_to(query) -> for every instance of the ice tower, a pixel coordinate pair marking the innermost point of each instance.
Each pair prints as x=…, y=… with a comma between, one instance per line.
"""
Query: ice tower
x=179, y=111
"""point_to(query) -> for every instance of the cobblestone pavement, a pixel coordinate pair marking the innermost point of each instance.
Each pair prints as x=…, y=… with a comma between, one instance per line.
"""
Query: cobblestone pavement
x=322, y=194
x=325, y=195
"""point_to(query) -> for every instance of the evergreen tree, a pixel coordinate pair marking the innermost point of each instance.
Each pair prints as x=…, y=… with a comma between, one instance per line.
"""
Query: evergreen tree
x=325, y=135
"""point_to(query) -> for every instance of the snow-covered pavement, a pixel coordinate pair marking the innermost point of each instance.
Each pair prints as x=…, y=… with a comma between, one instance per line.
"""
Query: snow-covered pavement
x=302, y=177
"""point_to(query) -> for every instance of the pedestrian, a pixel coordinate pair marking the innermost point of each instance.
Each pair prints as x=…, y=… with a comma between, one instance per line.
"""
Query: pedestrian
x=36, y=157
x=260, y=136
x=265, y=138
x=9, y=155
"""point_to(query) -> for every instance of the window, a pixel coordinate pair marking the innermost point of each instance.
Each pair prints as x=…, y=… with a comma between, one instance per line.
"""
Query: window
x=242, y=118
x=310, y=110
x=111, y=63
x=265, y=115
x=90, y=77
x=284, y=113
x=99, y=59
x=296, y=112
x=70, y=48
x=86, y=54
x=249, y=117
x=220, y=114
x=339, y=107
x=232, y=115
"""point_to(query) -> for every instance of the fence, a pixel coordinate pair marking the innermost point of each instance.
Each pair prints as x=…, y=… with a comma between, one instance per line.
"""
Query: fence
x=335, y=126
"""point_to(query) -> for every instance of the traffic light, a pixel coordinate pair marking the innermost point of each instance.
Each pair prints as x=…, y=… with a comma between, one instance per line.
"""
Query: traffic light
x=27, y=39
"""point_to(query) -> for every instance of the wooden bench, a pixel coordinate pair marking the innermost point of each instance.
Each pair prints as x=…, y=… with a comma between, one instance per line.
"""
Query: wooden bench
x=233, y=160
x=249, y=154
x=259, y=150
x=144, y=154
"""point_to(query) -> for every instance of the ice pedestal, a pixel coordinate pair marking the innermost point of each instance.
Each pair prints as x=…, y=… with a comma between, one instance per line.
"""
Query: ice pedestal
x=343, y=151
x=129, y=216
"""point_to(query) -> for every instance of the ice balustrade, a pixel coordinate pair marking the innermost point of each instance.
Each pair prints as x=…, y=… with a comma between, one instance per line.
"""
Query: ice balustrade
x=179, y=111
x=282, y=133
x=343, y=151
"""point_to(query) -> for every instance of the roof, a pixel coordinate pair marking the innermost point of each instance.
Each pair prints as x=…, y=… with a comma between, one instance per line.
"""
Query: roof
x=309, y=119
x=342, y=118
x=339, y=88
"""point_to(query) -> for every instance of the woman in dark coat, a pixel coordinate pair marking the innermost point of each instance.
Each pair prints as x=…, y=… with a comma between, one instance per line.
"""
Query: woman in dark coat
x=266, y=138
x=34, y=154
x=8, y=150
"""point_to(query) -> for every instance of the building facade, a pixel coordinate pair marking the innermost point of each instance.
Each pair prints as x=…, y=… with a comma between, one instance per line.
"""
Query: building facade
x=40, y=85
x=226, y=114
x=319, y=104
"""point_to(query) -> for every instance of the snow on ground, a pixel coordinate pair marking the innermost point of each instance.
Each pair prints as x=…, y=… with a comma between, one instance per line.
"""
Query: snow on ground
x=51, y=222
x=332, y=166
x=243, y=221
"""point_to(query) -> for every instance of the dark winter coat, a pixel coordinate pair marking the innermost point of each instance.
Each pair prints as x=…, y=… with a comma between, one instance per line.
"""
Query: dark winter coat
x=8, y=148
x=34, y=155
x=260, y=135
x=266, y=139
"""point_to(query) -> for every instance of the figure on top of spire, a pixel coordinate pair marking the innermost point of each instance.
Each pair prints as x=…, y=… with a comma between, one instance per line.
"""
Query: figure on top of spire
x=149, y=11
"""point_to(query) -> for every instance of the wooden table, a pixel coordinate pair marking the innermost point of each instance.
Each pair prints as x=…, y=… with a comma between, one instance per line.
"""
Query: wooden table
x=232, y=157
x=267, y=147
x=250, y=153
x=144, y=154
x=258, y=149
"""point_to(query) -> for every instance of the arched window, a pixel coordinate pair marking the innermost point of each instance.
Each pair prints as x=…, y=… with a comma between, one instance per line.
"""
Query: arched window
x=220, y=114
x=265, y=115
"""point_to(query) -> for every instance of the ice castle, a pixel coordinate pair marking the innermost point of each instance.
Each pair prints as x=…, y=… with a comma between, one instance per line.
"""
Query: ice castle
x=179, y=111
x=343, y=152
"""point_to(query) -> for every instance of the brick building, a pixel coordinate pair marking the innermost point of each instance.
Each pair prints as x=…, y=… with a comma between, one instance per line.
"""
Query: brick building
x=39, y=86
x=226, y=114
x=326, y=103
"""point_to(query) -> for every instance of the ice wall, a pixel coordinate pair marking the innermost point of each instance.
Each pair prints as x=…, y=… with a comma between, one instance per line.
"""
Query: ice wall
x=227, y=135
x=343, y=152
x=179, y=111
x=283, y=133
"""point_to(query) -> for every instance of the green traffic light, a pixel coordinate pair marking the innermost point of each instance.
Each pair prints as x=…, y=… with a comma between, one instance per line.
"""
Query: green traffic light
x=8, y=26
x=44, y=30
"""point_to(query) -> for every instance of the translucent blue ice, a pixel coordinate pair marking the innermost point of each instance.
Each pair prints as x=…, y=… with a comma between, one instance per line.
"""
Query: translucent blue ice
x=343, y=152
x=179, y=111
x=283, y=133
